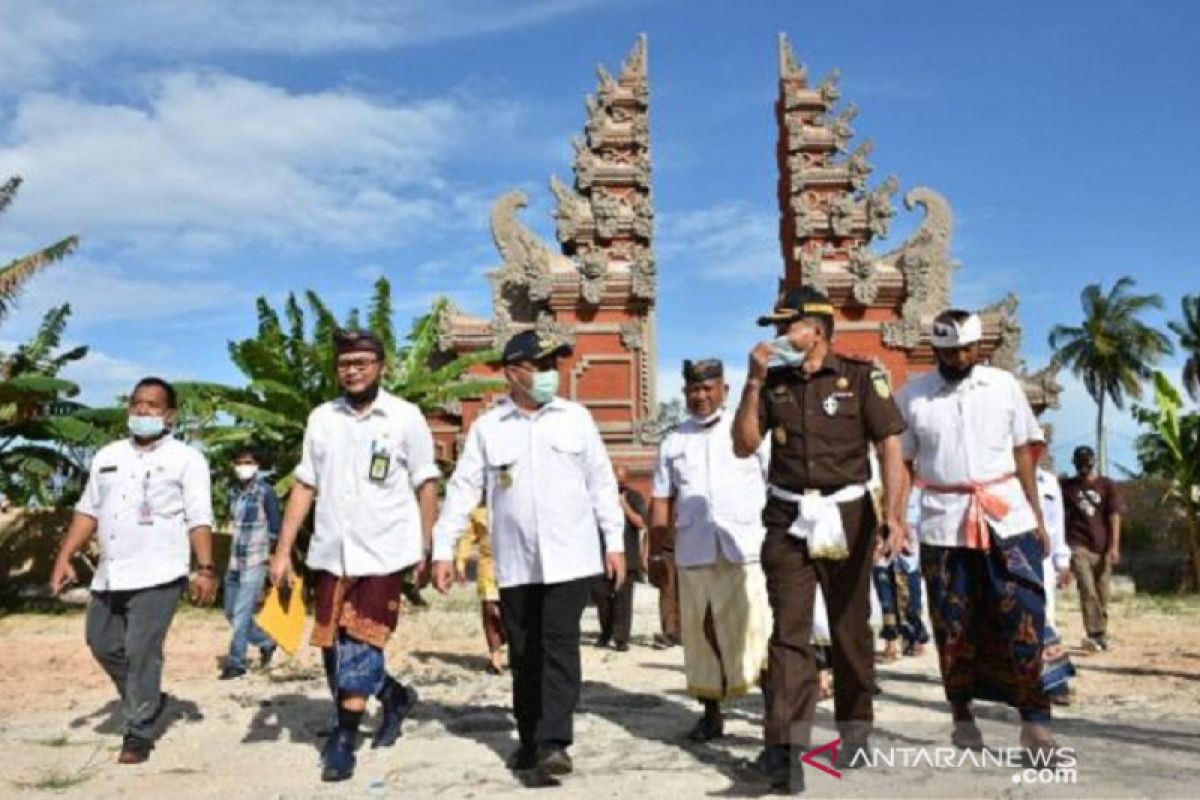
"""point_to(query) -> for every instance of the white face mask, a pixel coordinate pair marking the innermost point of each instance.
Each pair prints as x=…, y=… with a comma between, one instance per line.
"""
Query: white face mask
x=545, y=386
x=245, y=472
x=786, y=354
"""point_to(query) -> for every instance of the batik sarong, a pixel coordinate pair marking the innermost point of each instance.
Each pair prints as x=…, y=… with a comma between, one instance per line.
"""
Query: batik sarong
x=355, y=616
x=988, y=613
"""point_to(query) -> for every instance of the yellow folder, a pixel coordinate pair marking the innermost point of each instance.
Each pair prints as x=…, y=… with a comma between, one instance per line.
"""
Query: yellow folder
x=282, y=615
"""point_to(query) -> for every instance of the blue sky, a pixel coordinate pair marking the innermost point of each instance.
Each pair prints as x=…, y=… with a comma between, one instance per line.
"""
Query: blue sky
x=209, y=152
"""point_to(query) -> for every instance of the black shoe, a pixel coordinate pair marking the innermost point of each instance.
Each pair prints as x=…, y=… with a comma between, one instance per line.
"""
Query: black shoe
x=852, y=755
x=398, y=701
x=338, y=761
x=266, y=655
x=602, y=642
x=1102, y=640
x=229, y=673
x=778, y=765
x=554, y=761
x=134, y=750
x=523, y=759
x=621, y=647
x=706, y=729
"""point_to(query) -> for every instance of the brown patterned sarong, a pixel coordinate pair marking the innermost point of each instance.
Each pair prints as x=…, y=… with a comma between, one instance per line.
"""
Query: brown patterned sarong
x=366, y=607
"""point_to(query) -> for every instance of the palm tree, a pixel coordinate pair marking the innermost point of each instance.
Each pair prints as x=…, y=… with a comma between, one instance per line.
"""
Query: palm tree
x=1112, y=351
x=14, y=276
x=45, y=436
x=1170, y=448
x=1188, y=332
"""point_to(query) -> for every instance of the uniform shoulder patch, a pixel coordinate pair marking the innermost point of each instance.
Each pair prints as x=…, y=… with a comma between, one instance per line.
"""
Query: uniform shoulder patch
x=879, y=380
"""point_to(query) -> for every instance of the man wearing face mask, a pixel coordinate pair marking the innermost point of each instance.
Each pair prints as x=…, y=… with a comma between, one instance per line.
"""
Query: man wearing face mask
x=715, y=499
x=542, y=467
x=368, y=463
x=254, y=515
x=146, y=498
x=823, y=412
x=983, y=537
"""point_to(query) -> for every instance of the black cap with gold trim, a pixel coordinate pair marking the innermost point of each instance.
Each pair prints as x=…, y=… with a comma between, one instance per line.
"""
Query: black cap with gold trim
x=528, y=346
x=793, y=304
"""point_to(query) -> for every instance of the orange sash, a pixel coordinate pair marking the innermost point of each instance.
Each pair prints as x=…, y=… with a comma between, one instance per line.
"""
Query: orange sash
x=983, y=504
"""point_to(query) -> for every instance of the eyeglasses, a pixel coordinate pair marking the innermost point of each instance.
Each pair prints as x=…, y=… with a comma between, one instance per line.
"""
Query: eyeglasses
x=356, y=364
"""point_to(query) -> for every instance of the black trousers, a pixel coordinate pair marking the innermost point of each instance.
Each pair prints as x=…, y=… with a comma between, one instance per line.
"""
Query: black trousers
x=542, y=622
x=614, y=609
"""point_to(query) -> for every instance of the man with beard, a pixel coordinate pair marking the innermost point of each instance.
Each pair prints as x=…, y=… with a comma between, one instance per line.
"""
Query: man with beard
x=147, y=497
x=1093, y=509
x=715, y=500
x=982, y=534
x=368, y=463
x=823, y=413
x=541, y=465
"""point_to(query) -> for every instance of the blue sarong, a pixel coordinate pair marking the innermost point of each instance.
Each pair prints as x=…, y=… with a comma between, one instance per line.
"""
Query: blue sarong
x=988, y=609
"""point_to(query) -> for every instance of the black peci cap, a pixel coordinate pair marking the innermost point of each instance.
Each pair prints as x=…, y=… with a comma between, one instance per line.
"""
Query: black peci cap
x=703, y=370
x=354, y=341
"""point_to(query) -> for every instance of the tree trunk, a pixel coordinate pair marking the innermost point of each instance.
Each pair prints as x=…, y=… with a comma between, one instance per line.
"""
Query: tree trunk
x=1101, y=439
x=1191, y=576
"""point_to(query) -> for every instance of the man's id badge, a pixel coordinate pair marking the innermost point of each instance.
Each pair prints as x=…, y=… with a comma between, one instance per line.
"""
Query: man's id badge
x=145, y=510
x=381, y=462
x=506, y=478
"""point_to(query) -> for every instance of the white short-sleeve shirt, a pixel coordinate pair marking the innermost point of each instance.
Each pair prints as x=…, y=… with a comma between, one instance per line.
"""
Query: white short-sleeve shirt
x=719, y=497
x=962, y=433
x=168, y=477
x=550, y=489
x=366, y=524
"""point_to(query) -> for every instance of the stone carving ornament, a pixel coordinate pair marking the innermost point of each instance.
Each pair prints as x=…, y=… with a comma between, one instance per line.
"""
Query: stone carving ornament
x=924, y=261
x=864, y=275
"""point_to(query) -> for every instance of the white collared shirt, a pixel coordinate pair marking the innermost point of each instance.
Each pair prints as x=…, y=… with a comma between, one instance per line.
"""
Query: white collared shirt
x=1050, y=495
x=961, y=433
x=169, y=478
x=549, y=488
x=366, y=525
x=719, y=497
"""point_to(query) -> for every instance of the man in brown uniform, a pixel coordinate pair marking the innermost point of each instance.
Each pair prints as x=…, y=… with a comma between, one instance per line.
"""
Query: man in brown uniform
x=823, y=412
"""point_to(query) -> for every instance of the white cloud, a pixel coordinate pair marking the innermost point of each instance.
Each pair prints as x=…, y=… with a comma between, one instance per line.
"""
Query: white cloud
x=101, y=293
x=726, y=242
x=38, y=37
x=213, y=161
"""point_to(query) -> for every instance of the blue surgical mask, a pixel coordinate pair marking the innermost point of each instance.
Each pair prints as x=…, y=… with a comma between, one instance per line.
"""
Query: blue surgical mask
x=146, y=427
x=545, y=386
x=786, y=354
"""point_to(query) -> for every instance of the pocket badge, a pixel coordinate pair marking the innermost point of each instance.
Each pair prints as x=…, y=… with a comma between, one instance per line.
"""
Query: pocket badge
x=781, y=436
x=830, y=404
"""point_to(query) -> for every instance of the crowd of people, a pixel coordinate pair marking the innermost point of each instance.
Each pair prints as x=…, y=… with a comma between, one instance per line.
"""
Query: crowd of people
x=771, y=521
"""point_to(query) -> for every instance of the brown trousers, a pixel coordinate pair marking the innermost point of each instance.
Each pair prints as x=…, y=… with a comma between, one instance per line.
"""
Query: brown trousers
x=663, y=575
x=792, y=577
x=1092, y=574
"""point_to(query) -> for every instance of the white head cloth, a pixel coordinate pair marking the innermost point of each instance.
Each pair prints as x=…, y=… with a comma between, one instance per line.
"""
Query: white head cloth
x=951, y=334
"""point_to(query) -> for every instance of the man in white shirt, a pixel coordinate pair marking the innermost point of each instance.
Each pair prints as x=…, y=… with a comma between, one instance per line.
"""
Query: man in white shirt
x=1057, y=669
x=982, y=535
x=147, y=497
x=715, y=500
x=539, y=462
x=368, y=463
